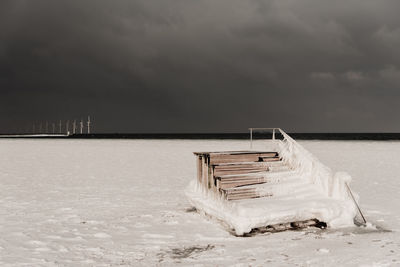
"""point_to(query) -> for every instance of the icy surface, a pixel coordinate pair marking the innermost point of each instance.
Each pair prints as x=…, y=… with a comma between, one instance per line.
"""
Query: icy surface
x=312, y=192
x=122, y=203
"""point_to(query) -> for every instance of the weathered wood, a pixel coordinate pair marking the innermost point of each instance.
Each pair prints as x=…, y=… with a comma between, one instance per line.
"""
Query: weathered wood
x=233, y=152
x=216, y=158
x=230, y=172
x=287, y=226
x=242, y=179
x=199, y=168
x=218, y=172
x=268, y=159
x=247, y=176
x=210, y=170
x=251, y=163
x=243, y=192
x=232, y=184
x=204, y=171
x=246, y=195
x=240, y=197
x=238, y=184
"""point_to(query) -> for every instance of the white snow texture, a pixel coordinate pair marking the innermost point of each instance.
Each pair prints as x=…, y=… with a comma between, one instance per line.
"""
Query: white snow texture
x=122, y=203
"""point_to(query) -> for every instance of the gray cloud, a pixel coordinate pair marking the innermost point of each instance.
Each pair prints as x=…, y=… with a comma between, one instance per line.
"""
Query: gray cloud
x=201, y=66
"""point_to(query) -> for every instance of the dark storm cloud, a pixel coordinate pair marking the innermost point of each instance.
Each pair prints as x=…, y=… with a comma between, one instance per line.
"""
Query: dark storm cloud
x=195, y=66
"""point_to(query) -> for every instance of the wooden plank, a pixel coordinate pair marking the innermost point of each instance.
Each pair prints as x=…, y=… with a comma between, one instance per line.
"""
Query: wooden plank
x=241, y=190
x=255, y=163
x=247, y=176
x=241, y=197
x=210, y=174
x=239, y=177
x=233, y=152
x=247, y=196
x=269, y=159
x=247, y=157
x=286, y=226
x=238, y=184
x=230, y=193
x=249, y=169
x=233, y=172
x=242, y=165
x=243, y=179
x=204, y=177
x=199, y=168
x=238, y=168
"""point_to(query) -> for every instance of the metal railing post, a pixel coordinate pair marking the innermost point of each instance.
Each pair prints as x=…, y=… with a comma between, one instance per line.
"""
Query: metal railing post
x=273, y=134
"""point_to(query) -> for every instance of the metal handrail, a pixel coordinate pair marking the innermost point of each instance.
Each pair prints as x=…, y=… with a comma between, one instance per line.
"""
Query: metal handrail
x=273, y=133
x=316, y=165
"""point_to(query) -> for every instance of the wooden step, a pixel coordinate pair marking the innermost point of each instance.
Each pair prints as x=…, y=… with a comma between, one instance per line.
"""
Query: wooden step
x=223, y=170
x=233, y=171
x=242, y=193
x=216, y=158
x=246, y=195
x=266, y=159
x=230, y=176
x=224, y=184
x=256, y=163
x=239, y=181
x=253, y=191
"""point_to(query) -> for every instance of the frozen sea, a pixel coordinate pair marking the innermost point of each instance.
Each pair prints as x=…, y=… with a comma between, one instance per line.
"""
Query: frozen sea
x=122, y=203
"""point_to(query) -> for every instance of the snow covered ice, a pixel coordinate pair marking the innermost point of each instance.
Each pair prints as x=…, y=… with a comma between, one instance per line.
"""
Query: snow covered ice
x=122, y=202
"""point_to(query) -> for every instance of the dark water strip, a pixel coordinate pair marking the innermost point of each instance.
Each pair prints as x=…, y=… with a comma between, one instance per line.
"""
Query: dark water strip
x=238, y=136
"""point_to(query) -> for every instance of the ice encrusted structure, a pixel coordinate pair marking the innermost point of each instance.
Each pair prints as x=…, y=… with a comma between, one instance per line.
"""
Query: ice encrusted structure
x=312, y=192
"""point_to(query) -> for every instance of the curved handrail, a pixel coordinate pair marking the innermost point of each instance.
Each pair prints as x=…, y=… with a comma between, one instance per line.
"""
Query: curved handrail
x=300, y=158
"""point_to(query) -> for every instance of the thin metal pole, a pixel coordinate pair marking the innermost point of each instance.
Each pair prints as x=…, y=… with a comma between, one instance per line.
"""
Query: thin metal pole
x=273, y=134
x=88, y=125
x=67, y=127
x=355, y=202
x=74, y=127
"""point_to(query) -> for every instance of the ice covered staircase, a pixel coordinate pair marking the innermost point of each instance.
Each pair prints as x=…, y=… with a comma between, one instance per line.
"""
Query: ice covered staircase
x=281, y=185
x=240, y=175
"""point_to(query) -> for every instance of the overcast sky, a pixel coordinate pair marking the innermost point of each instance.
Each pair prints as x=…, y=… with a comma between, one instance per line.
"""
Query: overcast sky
x=201, y=65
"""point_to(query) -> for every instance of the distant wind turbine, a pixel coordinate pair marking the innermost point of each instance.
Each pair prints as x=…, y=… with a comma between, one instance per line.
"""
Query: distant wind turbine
x=88, y=125
x=67, y=127
x=74, y=127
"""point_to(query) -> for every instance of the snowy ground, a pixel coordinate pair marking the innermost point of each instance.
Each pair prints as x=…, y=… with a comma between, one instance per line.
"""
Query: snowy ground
x=119, y=202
